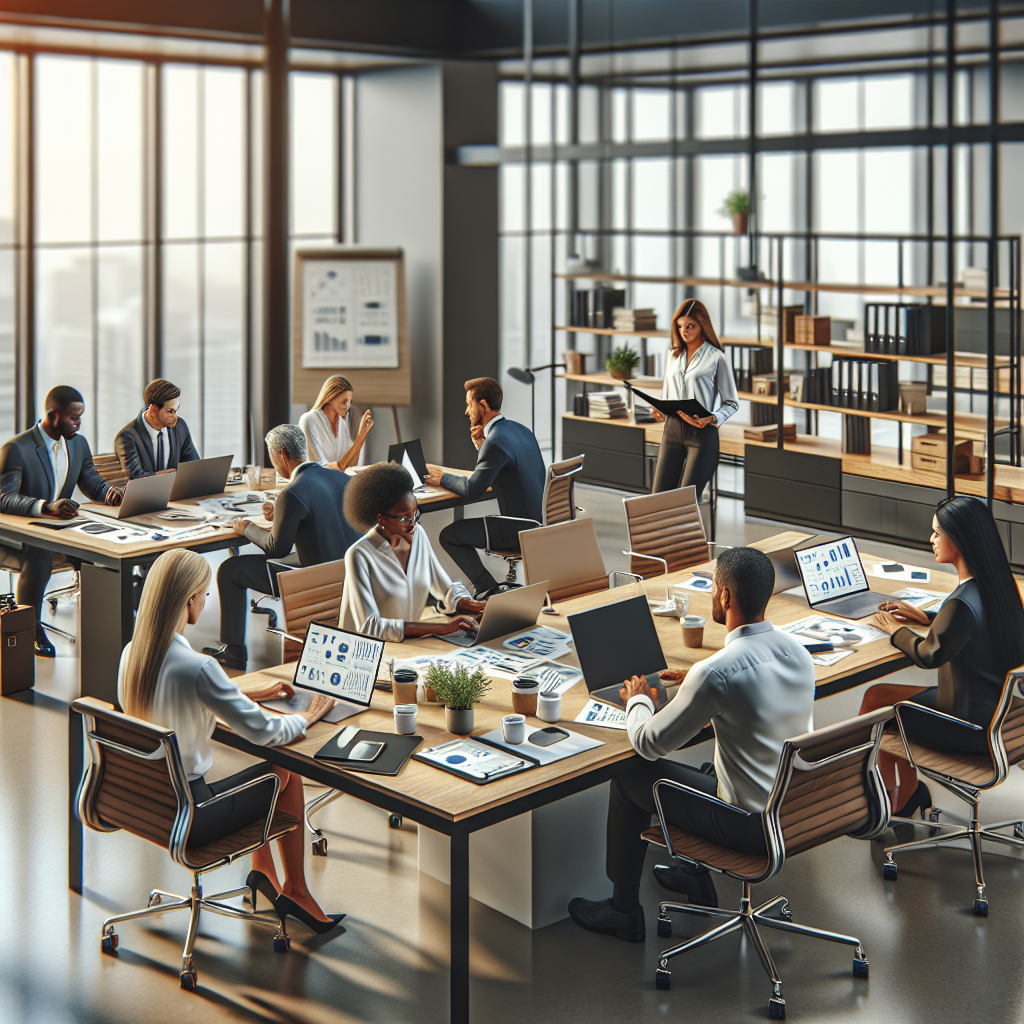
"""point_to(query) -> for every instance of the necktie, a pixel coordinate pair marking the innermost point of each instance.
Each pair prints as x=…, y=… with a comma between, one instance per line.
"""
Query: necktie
x=160, y=450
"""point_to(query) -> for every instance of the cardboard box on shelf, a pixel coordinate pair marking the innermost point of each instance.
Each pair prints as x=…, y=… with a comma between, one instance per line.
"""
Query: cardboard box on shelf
x=764, y=383
x=928, y=453
x=813, y=330
x=913, y=398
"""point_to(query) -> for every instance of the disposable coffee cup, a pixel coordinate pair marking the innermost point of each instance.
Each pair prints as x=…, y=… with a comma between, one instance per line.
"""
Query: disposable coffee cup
x=549, y=707
x=405, y=719
x=693, y=630
x=403, y=685
x=513, y=728
x=681, y=599
x=524, y=695
x=252, y=476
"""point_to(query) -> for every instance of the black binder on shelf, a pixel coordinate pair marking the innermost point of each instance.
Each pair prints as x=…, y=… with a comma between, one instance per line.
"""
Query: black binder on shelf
x=391, y=760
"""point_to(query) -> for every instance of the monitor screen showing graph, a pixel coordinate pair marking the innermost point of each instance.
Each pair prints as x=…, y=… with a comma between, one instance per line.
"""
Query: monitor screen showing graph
x=831, y=570
x=340, y=664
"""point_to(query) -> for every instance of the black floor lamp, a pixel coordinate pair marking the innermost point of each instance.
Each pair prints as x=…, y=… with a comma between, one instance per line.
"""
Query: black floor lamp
x=526, y=376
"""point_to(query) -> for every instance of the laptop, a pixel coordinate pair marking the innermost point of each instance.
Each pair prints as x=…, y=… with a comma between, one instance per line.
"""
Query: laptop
x=333, y=663
x=614, y=642
x=201, y=477
x=787, y=575
x=834, y=579
x=504, y=613
x=141, y=497
x=410, y=455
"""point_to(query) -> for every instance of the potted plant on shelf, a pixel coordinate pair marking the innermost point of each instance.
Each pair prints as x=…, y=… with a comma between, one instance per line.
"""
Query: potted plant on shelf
x=622, y=363
x=458, y=690
x=737, y=205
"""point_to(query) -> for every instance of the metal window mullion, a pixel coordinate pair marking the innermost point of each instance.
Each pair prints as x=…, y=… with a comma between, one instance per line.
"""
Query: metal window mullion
x=153, y=184
x=248, y=264
x=94, y=197
x=201, y=245
x=25, y=272
x=528, y=178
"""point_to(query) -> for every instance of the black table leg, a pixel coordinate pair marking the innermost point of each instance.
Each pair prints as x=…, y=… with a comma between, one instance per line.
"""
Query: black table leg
x=76, y=750
x=458, y=1012
x=107, y=621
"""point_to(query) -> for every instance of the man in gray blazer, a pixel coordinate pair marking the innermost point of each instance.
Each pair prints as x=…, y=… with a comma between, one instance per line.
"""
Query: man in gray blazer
x=39, y=471
x=158, y=438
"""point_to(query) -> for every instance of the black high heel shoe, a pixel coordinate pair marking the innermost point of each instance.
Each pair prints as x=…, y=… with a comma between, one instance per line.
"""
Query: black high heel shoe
x=920, y=800
x=256, y=880
x=287, y=907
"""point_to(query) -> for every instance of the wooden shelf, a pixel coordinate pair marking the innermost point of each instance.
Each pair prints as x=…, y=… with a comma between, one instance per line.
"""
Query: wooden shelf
x=960, y=358
x=606, y=380
x=611, y=332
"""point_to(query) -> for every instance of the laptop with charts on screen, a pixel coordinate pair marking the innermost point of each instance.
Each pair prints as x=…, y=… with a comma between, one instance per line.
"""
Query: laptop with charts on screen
x=834, y=579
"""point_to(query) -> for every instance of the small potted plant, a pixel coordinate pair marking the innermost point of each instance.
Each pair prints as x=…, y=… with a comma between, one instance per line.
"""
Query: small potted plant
x=458, y=690
x=737, y=205
x=622, y=363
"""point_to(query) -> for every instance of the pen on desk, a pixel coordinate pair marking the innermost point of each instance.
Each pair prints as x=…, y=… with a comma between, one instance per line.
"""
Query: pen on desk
x=503, y=768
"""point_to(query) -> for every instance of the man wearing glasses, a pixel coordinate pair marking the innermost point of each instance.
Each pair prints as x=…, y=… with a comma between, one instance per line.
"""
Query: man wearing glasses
x=308, y=513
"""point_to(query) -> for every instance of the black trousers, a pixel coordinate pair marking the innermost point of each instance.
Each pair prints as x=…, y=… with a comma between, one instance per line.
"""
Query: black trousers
x=632, y=804
x=34, y=567
x=235, y=576
x=463, y=538
x=232, y=813
x=939, y=734
x=688, y=455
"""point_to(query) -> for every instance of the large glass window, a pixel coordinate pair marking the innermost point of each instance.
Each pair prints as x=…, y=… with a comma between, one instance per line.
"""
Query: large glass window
x=8, y=254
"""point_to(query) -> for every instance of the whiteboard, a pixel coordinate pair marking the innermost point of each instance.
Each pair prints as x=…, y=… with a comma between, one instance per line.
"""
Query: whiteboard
x=350, y=313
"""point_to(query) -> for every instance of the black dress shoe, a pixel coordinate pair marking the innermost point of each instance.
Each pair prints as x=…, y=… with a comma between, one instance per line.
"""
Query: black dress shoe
x=229, y=655
x=44, y=649
x=601, y=916
x=696, y=884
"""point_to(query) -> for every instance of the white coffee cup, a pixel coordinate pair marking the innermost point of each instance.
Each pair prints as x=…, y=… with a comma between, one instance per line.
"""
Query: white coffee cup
x=513, y=728
x=549, y=707
x=405, y=719
x=681, y=599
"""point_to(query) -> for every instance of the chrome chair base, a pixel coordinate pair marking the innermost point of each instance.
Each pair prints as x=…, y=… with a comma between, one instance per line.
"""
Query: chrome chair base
x=161, y=902
x=747, y=919
x=314, y=805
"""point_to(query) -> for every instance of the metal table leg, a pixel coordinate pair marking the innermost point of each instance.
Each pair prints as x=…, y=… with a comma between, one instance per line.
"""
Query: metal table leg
x=458, y=1012
x=76, y=751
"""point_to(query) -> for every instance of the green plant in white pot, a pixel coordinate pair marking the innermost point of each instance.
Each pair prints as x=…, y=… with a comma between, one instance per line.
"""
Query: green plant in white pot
x=458, y=690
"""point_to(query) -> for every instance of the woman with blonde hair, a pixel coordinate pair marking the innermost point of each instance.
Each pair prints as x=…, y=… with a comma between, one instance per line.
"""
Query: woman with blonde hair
x=696, y=368
x=162, y=680
x=328, y=427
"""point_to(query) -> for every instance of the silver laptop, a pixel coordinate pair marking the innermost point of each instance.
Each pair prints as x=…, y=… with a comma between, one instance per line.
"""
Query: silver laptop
x=141, y=496
x=787, y=575
x=333, y=663
x=505, y=613
x=201, y=477
x=834, y=579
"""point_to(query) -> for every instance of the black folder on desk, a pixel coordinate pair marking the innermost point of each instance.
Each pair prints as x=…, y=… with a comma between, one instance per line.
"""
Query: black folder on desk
x=670, y=406
x=397, y=750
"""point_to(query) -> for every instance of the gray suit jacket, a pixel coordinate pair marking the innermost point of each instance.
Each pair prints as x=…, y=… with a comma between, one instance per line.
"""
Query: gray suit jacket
x=135, y=448
x=26, y=473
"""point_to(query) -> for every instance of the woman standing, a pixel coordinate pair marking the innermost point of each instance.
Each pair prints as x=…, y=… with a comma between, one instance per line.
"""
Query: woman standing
x=974, y=639
x=696, y=368
x=328, y=427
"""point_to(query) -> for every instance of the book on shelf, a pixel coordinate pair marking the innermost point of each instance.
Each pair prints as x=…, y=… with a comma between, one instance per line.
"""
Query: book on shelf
x=592, y=307
x=606, y=405
x=866, y=384
x=748, y=363
x=625, y=319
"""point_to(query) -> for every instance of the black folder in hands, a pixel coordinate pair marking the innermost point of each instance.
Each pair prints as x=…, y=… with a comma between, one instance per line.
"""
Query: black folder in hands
x=670, y=406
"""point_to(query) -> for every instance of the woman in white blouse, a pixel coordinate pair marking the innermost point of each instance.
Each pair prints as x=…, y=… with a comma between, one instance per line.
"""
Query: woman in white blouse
x=328, y=427
x=392, y=571
x=696, y=368
x=162, y=680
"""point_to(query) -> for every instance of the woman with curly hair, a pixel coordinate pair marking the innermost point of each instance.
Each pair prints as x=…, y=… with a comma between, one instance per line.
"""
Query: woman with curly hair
x=392, y=571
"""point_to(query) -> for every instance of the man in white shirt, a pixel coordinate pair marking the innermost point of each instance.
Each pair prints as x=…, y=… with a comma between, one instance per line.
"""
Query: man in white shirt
x=757, y=692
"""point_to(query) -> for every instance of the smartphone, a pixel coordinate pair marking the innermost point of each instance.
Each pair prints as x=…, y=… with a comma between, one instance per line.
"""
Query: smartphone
x=892, y=567
x=918, y=575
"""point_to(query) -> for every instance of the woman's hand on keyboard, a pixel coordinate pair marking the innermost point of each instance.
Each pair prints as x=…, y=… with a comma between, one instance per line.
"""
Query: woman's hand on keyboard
x=318, y=707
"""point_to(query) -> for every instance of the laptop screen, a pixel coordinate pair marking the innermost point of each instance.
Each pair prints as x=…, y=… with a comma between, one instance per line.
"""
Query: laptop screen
x=409, y=454
x=831, y=570
x=339, y=664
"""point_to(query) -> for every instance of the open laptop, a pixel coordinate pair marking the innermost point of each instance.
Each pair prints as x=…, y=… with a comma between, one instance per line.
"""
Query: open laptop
x=410, y=455
x=201, y=477
x=334, y=663
x=607, y=657
x=505, y=613
x=787, y=575
x=834, y=579
x=142, y=496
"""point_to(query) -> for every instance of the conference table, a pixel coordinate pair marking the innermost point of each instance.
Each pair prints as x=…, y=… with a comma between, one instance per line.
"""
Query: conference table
x=456, y=807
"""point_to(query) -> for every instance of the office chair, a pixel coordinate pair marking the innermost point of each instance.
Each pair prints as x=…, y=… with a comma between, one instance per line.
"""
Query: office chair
x=61, y=563
x=133, y=779
x=965, y=776
x=827, y=786
x=557, y=506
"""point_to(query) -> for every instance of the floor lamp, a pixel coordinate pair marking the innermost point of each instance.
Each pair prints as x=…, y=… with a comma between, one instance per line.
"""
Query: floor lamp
x=526, y=376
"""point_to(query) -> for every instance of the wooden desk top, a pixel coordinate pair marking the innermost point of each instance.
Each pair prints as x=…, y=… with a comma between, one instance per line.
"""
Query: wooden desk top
x=455, y=798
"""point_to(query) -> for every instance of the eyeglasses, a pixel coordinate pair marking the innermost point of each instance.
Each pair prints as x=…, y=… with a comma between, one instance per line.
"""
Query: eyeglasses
x=414, y=518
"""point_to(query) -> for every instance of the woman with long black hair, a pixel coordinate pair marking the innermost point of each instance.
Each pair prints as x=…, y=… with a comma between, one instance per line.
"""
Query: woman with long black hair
x=974, y=639
x=696, y=368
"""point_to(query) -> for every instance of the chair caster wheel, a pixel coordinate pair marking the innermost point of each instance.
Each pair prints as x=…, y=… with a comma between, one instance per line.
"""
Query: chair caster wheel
x=189, y=980
x=860, y=968
x=933, y=814
x=777, y=1008
x=319, y=847
x=981, y=908
x=664, y=927
x=52, y=602
x=889, y=872
x=282, y=943
x=1018, y=831
x=272, y=620
x=394, y=821
x=663, y=979
x=108, y=944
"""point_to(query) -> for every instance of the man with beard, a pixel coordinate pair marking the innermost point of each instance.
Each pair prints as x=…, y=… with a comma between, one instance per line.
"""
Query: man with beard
x=510, y=464
x=757, y=692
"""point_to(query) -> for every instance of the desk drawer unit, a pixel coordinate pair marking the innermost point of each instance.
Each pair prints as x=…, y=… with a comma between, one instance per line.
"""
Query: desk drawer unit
x=897, y=510
x=614, y=454
x=794, y=487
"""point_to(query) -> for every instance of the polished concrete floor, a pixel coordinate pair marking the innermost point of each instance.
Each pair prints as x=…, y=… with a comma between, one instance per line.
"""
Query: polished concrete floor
x=931, y=959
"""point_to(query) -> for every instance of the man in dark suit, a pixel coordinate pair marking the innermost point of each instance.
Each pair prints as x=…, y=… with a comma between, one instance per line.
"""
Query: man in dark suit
x=307, y=513
x=510, y=464
x=158, y=437
x=39, y=470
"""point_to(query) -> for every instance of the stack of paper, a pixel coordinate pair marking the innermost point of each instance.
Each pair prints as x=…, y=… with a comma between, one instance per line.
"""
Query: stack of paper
x=624, y=319
x=607, y=405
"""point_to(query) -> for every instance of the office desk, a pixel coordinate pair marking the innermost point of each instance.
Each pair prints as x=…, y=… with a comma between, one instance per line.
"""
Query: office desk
x=456, y=807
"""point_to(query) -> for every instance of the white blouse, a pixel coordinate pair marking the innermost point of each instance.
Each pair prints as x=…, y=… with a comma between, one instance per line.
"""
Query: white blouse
x=192, y=691
x=380, y=596
x=322, y=444
x=707, y=378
